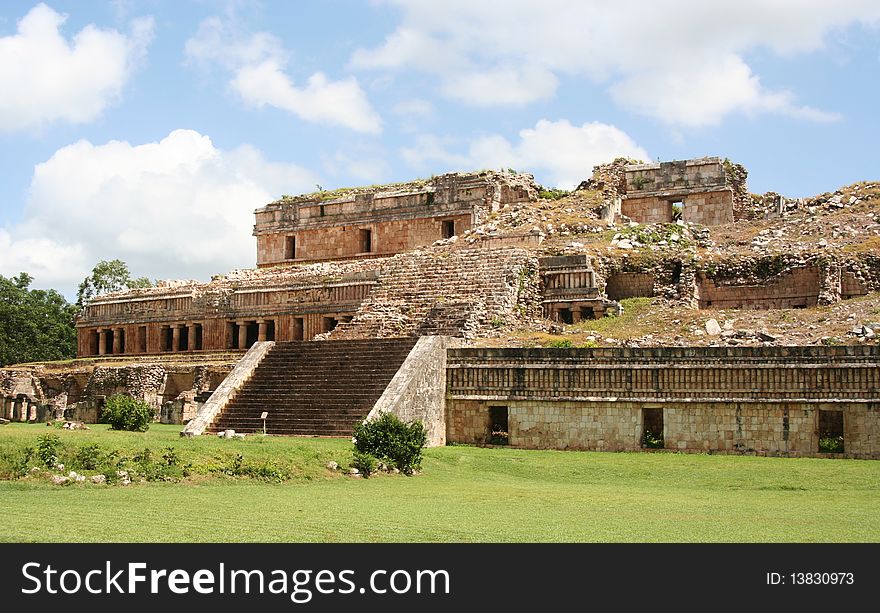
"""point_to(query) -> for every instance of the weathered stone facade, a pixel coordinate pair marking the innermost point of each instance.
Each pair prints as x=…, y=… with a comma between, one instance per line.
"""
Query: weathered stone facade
x=766, y=400
x=231, y=312
x=699, y=189
x=382, y=221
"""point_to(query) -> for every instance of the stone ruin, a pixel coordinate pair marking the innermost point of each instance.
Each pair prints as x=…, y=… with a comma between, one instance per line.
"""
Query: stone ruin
x=371, y=270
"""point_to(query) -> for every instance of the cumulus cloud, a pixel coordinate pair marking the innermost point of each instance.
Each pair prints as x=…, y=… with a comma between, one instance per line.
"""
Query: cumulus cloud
x=44, y=77
x=515, y=51
x=257, y=64
x=560, y=154
x=176, y=207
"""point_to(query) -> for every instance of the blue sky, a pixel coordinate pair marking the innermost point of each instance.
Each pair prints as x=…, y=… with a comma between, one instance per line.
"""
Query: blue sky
x=149, y=130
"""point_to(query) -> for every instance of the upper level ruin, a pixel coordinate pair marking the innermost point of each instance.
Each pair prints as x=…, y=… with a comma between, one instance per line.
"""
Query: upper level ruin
x=703, y=191
x=384, y=220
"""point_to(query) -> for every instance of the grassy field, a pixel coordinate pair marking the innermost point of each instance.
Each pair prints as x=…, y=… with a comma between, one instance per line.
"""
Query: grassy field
x=464, y=494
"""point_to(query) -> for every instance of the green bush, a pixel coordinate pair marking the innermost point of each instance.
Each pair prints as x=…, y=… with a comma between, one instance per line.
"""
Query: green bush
x=830, y=444
x=88, y=457
x=561, y=343
x=48, y=446
x=126, y=413
x=364, y=462
x=393, y=441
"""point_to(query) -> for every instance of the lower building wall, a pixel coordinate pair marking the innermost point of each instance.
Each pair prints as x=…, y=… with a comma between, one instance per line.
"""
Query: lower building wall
x=797, y=288
x=763, y=428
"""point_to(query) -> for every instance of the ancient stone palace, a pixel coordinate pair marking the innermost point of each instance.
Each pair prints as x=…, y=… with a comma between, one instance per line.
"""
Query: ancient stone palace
x=376, y=299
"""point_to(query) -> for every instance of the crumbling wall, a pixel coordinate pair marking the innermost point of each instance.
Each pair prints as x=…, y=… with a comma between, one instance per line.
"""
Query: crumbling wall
x=46, y=392
x=449, y=292
x=793, y=289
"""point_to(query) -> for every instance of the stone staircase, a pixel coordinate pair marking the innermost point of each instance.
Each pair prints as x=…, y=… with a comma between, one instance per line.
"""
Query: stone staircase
x=314, y=388
x=449, y=292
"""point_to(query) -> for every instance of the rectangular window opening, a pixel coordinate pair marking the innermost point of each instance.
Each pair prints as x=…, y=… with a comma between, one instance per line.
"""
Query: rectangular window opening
x=290, y=248
x=142, y=339
x=366, y=241
x=830, y=431
x=652, y=428
x=499, y=432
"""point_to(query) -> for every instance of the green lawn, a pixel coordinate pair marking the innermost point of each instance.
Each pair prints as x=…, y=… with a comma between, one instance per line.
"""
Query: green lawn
x=464, y=494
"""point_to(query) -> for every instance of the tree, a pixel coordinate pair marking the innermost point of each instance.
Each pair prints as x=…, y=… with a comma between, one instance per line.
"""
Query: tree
x=35, y=325
x=108, y=276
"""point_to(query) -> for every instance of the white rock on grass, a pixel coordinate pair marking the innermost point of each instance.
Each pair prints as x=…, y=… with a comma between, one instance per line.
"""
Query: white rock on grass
x=712, y=327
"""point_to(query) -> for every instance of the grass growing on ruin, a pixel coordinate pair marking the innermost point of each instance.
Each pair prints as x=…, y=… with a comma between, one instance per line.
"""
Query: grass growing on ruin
x=464, y=494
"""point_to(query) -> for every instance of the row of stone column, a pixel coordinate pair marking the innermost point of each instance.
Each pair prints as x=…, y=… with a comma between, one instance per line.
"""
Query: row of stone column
x=176, y=335
x=241, y=342
x=19, y=408
x=118, y=340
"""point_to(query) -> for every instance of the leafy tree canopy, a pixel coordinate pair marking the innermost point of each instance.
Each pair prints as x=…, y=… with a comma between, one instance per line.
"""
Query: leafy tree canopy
x=35, y=325
x=108, y=276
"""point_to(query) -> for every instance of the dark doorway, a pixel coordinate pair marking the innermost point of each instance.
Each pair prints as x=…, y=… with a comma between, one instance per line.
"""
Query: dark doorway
x=448, y=228
x=94, y=340
x=270, y=329
x=290, y=248
x=565, y=316
x=166, y=339
x=366, y=240
x=298, y=328
x=142, y=339
x=197, y=340
x=253, y=333
x=329, y=323
x=652, y=428
x=121, y=333
x=588, y=313
x=830, y=431
x=499, y=433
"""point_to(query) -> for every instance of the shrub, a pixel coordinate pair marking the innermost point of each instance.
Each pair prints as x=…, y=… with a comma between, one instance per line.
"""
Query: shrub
x=127, y=413
x=364, y=462
x=561, y=343
x=47, y=449
x=830, y=444
x=88, y=457
x=392, y=440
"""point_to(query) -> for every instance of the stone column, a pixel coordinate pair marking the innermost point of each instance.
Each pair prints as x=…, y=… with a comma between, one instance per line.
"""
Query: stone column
x=117, y=341
x=242, y=335
x=264, y=327
x=7, y=408
x=191, y=337
x=32, y=412
x=102, y=341
x=175, y=337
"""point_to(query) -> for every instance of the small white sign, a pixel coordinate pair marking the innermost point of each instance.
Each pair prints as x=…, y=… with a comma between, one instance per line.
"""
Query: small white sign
x=264, y=415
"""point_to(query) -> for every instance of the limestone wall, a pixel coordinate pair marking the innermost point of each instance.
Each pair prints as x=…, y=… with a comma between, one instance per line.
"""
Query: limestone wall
x=417, y=391
x=720, y=399
x=629, y=285
x=795, y=288
x=764, y=428
x=398, y=218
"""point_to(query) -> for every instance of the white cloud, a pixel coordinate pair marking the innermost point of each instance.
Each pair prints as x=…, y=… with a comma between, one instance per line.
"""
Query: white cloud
x=513, y=52
x=44, y=77
x=413, y=107
x=257, y=63
x=559, y=153
x=702, y=97
x=177, y=207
